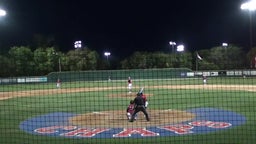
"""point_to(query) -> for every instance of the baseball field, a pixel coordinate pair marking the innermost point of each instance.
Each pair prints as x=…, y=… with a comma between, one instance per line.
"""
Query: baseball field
x=181, y=110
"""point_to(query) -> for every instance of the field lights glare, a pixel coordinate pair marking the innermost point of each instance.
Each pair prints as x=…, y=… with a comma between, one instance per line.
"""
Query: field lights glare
x=251, y=5
x=2, y=12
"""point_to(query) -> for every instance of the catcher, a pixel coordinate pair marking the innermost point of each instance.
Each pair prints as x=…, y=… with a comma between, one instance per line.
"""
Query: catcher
x=130, y=110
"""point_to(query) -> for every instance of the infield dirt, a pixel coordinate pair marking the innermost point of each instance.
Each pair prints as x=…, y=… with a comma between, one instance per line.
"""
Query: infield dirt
x=118, y=119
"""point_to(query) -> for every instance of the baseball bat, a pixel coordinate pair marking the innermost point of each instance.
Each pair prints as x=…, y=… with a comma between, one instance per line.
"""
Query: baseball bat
x=141, y=90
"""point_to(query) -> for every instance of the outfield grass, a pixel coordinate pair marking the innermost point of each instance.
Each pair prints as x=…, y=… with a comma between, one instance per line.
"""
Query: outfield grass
x=16, y=110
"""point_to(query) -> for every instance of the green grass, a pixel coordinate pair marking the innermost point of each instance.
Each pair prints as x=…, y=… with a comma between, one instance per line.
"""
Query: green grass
x=13, y=111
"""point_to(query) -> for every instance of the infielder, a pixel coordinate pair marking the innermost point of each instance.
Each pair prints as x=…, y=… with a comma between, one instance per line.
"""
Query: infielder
x=204, y=79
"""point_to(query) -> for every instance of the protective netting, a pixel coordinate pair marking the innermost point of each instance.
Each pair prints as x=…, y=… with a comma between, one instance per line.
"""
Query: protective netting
x=183, y=107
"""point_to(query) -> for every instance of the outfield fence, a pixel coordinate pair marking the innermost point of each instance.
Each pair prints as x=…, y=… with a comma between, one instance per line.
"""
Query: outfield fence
x=102, y=75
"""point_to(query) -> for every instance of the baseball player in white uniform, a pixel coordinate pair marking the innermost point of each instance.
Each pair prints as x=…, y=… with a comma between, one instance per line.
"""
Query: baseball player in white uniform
x=129, y=85
x=58, y=84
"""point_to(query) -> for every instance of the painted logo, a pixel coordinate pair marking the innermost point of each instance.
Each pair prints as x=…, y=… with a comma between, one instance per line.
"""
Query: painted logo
x=207, y=120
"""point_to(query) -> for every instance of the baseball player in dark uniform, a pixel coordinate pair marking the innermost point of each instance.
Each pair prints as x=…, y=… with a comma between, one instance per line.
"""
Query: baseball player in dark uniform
x=139, y=106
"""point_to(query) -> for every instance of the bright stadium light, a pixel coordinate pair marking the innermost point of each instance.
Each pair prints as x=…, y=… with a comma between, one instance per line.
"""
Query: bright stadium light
x=2, y=12
x=180, y=48
x=251, y=5
x=224, y=44
x=107, y=54
x=78, y=44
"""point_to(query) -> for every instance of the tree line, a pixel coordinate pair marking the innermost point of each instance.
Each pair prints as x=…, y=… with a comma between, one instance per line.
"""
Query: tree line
x=23, y=61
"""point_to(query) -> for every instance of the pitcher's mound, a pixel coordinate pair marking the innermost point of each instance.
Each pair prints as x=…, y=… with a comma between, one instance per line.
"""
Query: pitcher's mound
x=118, y=119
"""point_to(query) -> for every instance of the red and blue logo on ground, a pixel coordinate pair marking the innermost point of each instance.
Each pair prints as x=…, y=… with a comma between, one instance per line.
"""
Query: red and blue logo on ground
x=207, y=120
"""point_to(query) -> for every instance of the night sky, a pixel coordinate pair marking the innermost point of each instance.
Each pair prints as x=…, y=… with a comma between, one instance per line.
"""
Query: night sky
x=125, y=26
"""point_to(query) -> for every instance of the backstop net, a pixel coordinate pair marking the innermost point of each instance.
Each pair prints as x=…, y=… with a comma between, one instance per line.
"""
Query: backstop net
x=129, y=106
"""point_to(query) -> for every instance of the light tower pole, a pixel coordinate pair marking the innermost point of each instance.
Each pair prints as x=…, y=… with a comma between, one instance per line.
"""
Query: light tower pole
x=107, y=54
x=180, y=49
x=172, y=44
x=59, y=61
x=251, y=7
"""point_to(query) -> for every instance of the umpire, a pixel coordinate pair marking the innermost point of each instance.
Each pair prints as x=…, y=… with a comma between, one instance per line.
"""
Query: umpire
x=139, y=106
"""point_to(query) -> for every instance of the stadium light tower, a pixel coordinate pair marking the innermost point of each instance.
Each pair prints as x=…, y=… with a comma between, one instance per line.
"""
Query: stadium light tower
x=2, y=12
x=251, y=7
x=180, y=49
x=225, y=45
x=107, y=54
x=172, y=44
